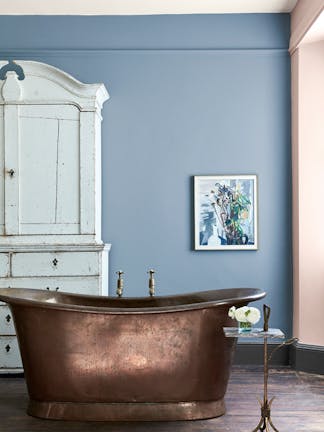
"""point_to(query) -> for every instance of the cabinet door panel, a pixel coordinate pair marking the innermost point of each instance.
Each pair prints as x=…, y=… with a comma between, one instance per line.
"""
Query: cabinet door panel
x=49, y=170
x=38, y=153
x=1, y=172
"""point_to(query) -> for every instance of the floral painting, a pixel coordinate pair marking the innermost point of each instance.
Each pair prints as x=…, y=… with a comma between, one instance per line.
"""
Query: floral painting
x=226, y=212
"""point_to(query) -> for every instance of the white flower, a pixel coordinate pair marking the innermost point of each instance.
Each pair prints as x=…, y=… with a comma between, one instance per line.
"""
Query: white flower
x=231, y=312
x=247, y=314
x=254, y=315
x=241, y=314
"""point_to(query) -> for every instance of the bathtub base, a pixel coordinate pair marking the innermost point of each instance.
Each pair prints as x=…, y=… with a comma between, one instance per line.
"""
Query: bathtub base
x=168, y=411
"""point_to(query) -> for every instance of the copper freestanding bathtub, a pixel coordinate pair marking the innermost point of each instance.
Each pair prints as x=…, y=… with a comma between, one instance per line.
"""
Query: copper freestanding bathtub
x=95, y=358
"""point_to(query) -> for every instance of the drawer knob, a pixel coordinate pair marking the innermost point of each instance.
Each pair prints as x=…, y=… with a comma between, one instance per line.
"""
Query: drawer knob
x=55, y=262
x=8, y=318
x=11, y=172
x=57, y=288
x=8, y=348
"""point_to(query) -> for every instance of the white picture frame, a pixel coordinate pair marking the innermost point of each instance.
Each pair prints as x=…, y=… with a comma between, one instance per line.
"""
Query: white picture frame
x=226, y=212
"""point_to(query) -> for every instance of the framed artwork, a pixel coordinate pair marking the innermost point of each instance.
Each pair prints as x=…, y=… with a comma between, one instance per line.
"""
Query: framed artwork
x=226, y=212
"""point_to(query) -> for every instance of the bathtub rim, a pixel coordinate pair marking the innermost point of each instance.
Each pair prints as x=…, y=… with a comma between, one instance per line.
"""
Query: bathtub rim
x=254, y=295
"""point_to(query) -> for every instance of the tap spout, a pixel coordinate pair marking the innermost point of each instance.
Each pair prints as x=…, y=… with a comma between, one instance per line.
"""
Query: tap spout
x=120, y=283
x=151, y=282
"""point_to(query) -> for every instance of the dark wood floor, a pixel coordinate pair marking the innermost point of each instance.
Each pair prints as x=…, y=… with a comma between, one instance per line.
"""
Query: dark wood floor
x=299, y=406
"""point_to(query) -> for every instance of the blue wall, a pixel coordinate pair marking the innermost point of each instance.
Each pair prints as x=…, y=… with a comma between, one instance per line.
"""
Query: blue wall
x=190, y=95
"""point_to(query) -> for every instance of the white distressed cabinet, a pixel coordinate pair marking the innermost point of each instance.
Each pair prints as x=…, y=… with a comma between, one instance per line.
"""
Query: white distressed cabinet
x=50, y=188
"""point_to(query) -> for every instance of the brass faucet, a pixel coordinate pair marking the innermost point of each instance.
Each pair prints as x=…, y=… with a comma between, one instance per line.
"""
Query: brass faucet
x=120, y=283
x=151, y=282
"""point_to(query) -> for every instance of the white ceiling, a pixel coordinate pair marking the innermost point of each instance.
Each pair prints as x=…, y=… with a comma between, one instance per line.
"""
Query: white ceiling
x=142, y=7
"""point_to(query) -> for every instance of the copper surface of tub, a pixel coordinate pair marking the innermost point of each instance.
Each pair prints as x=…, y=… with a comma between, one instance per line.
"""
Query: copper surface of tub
x=112, y=359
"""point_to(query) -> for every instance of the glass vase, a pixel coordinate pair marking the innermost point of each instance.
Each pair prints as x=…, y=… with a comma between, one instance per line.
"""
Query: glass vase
x=245, y=327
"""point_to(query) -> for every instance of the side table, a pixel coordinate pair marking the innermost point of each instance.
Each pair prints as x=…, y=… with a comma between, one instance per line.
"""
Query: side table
x=271, y=333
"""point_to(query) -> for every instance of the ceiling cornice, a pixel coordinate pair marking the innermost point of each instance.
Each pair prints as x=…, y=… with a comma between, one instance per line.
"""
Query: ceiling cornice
x=142, y=7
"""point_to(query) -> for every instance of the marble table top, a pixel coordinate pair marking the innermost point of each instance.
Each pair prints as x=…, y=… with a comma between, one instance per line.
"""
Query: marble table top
x=254, y=333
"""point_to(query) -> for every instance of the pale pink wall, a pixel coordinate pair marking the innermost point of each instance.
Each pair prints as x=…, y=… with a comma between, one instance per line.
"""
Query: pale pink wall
x=308, y=191
x=295, y=188
x=302, y=17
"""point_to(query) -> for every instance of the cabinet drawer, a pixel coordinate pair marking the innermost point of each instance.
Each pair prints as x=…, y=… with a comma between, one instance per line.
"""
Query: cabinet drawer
x=77, y=285
x=4, y=265
x=9, y=352
x=54, y=264
x=7, y=326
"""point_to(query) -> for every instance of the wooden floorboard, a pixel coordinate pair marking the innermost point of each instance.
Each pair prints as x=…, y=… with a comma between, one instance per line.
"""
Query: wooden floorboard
x=299, y=406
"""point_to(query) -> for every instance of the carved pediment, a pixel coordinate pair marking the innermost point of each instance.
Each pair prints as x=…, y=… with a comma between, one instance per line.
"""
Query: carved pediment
x=43, y=83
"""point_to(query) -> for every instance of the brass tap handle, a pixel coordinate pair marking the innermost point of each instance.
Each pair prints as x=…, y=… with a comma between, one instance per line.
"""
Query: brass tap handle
x=120, y=283
x=151, y=282
x=266, y=316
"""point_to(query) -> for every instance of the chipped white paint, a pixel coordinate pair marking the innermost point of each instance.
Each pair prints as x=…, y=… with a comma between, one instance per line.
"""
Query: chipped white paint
x=50, y=211
x=142, y=7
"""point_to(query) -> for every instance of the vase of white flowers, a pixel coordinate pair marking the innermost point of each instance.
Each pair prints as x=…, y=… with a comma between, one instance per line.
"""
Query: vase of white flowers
x=246, y=317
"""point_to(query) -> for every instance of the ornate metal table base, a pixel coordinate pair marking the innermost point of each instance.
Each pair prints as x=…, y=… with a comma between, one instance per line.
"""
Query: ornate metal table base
x=265, y=422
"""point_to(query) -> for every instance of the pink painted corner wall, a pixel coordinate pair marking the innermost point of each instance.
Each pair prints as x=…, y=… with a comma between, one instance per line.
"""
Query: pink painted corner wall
x=302, y=18
x=308, y=192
